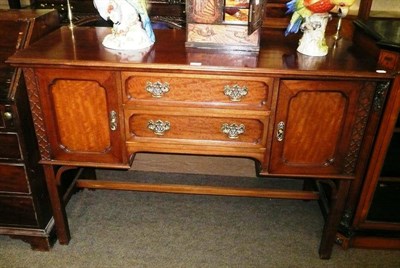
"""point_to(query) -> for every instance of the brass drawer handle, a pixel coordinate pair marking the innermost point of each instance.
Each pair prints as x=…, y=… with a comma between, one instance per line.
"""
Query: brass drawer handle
x=280, y=133
x=158, y=127
x=157, y=89
x=233, y=130
x=7, y=116
x=235, y=92
x=113, y=120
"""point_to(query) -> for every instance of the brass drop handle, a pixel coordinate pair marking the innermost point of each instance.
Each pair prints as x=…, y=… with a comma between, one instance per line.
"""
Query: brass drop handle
x=7, y=116
x=233, y=130
x=280, y=133
x=157, y=89
x=113, y=120
x=158, y=127
x=235, y=92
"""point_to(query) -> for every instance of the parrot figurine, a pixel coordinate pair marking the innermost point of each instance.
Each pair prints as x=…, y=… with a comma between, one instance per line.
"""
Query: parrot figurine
x=302, y=9
x=141, y=8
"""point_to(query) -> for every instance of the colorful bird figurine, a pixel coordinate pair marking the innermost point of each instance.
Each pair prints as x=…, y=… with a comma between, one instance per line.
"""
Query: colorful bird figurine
x=132, y=29
x=302, y=9
x=141, y=8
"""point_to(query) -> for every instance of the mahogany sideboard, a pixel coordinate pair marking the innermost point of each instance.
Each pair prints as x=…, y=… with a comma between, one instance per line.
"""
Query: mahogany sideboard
x=300, y=117
x=25, y=210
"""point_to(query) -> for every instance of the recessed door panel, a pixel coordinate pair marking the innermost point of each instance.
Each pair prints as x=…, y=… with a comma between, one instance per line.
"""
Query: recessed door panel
x=81, y=111
x=319, y=126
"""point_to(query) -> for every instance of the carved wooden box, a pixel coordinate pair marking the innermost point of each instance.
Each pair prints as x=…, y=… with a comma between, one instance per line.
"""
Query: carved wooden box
x=228, y=24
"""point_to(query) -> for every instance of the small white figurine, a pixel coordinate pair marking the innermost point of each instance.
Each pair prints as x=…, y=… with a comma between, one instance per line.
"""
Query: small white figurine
x=131, y=25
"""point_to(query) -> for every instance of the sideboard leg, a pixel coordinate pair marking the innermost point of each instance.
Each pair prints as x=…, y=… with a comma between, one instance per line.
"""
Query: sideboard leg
x=58, y=206
x=332, y=222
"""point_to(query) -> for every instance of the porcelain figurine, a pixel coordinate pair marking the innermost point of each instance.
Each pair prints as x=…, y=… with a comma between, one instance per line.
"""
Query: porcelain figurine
x=132, y=28
x=313, y=42
x=311, y=17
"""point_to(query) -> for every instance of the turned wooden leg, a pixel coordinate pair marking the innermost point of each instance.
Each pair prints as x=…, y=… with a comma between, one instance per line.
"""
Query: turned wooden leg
x=334, y=216
x=58, y=206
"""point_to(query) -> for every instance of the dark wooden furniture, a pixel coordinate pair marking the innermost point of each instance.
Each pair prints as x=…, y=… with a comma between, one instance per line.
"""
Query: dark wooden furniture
x=14, y=4
x=275, y=14
x=297, y=116
x=25, y=211
x=376, y=222
x=381, y=40
x=170, y=12
x=373, y=208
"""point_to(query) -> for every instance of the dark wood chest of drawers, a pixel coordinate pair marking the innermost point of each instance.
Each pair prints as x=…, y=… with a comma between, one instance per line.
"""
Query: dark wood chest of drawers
x=373, y=210
x=25, y=210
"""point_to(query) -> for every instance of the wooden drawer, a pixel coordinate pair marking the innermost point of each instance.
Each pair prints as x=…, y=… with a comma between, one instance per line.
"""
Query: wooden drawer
x=389, y=60
x=197, y=90
x=13, y=178
x=17, y=210
x=197, y=129
x=275, y=14
x=9, y=148
x=276, y=9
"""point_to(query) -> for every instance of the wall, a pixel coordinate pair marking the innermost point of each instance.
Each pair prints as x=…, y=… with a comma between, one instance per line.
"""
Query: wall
x=4, y=4
x=380, y=8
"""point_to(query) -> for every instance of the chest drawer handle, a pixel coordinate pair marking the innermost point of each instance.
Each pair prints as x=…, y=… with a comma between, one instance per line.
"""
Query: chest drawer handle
x=113, y=120
x=157, y=89
x=235, y=92
x=233, y=130
x=7, y=116
x=280, y=133
x=158, y=127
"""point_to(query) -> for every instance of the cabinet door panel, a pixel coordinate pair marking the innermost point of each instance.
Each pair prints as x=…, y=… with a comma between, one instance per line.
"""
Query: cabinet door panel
x=314, y=122
x=82, y=116
x=90, y=116
x=315, y=140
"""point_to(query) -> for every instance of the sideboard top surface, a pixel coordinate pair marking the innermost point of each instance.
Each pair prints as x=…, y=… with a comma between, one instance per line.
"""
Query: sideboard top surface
x=81, y=47
x=21, y=14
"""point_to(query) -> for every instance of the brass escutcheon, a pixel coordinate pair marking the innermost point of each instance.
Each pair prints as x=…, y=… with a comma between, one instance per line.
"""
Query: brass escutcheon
x=280, y=133
x=113, y=120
